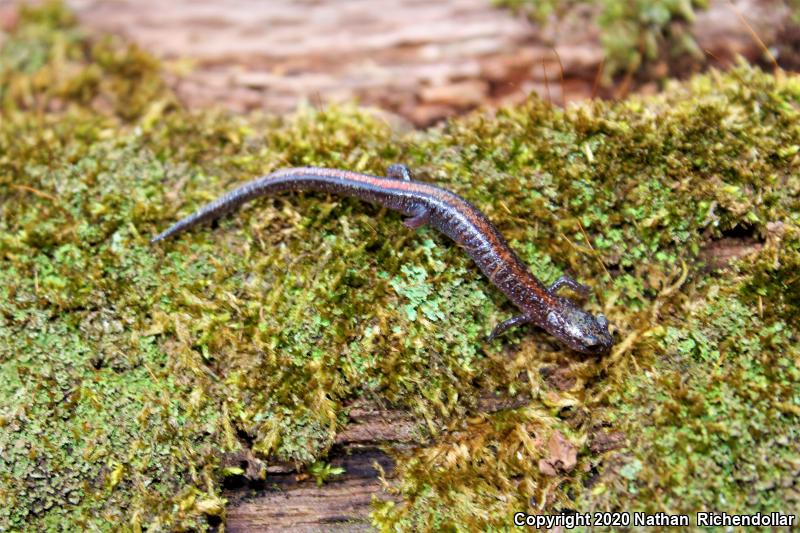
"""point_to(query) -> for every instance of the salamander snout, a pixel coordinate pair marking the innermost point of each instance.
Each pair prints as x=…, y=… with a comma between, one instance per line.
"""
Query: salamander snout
x=580, y=330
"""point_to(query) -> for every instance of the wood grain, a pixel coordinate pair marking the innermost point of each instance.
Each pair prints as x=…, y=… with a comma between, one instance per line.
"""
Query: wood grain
x=417, y=59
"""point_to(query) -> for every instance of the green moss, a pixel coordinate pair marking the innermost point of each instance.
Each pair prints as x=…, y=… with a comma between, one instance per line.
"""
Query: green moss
x=128, y=371
x=704, y=382
x=634, y=34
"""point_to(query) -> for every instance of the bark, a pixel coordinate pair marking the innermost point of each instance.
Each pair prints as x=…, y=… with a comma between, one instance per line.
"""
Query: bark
x=287, y=500
x=417, y=59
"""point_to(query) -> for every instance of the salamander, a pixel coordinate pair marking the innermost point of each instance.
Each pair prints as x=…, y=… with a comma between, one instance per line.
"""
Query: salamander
x=423, y=203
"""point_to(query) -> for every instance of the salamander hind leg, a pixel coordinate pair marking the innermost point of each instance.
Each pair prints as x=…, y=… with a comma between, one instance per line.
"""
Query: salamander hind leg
x=508, y=324
x=418, y=220
x=399, y=171
x=566, y=281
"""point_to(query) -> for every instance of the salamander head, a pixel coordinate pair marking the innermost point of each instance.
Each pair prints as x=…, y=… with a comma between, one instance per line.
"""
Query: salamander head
x=579, y=330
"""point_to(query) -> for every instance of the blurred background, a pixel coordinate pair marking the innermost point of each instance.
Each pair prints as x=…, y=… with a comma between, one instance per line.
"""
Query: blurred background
x=425, y=61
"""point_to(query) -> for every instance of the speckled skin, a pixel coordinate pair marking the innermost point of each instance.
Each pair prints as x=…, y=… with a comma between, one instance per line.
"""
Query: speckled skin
x=455, y=217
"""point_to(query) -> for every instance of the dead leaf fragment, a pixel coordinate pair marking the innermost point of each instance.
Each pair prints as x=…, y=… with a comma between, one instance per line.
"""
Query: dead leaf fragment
x=563, y=456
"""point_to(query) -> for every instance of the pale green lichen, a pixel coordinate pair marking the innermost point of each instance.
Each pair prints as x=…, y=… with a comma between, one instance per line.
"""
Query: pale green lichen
x=128, y=371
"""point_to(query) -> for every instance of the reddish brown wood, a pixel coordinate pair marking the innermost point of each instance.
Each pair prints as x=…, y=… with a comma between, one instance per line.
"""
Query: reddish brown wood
x=419, y=59
x=287, y=500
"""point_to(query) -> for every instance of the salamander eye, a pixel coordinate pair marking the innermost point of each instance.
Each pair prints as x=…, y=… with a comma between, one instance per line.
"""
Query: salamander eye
x=601, y=321
x=591, y=341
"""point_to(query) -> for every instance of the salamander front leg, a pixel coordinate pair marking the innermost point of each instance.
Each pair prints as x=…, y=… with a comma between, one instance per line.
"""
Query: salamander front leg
x=566, y=281
x=508, y=324
x=399, y=171
x=418, y=220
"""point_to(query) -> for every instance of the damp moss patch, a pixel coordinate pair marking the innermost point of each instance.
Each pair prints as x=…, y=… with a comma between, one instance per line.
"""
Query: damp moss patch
x=129, y=371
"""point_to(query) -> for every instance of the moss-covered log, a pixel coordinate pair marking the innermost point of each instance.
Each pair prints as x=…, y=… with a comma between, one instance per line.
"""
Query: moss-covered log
x=129, y=374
